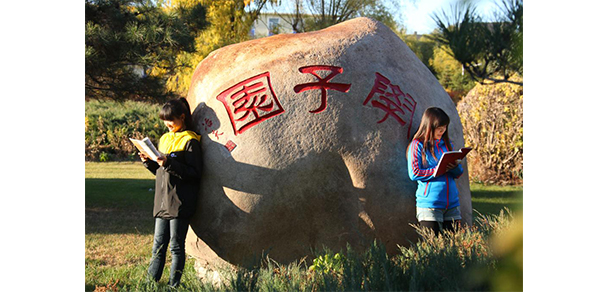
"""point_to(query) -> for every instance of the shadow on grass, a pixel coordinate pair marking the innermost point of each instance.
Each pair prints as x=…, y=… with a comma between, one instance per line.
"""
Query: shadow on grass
x=121, y=206
x=124, y=206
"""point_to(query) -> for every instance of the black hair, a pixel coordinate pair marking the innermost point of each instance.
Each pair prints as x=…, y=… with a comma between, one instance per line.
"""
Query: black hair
x=174, y=108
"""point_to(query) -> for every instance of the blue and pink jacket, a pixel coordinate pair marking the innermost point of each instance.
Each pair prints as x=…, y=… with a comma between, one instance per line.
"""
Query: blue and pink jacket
x=432, y=192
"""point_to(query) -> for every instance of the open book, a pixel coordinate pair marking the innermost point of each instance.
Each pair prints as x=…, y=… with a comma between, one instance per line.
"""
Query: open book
x=146, y=147
x=450, y=157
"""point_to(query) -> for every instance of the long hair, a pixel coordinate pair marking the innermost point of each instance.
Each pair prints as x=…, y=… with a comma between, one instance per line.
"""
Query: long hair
x=174, y=108
x=433, y=118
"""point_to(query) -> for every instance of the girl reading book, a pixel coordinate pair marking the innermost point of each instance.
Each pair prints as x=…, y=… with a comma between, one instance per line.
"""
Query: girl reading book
x=177, y=172
x=437, y=202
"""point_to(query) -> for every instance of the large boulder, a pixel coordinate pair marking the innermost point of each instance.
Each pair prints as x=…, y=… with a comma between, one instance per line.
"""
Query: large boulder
x=304, y=142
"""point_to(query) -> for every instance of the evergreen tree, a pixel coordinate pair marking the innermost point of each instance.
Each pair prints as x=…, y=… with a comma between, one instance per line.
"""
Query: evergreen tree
x=131, y=47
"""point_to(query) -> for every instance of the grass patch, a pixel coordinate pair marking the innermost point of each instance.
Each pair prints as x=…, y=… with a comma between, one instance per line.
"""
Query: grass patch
x=491, y=199
x=117, y=170
x=118, y=198
x=119, y=233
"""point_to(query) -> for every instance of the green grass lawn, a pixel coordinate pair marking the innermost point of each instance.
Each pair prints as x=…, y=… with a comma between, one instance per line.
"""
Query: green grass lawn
x=119, y=223
x=491, y=199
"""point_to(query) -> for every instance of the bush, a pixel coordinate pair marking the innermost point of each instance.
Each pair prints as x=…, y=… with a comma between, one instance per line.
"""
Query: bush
x=110, y=124
x=485, y=257
x=492, y=117
x=471, y=258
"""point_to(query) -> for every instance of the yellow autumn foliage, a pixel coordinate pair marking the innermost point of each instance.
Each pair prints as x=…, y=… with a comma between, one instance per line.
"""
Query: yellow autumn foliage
x=492, y=117
x=229, y=21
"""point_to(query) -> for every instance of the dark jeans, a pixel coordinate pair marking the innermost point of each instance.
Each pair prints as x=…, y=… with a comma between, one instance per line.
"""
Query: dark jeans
x=436, y=226
x=170, y=232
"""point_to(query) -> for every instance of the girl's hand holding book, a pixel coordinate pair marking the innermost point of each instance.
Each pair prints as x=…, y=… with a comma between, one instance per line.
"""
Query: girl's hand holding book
x=162, y=160
x=143, y=156
x=454, y=165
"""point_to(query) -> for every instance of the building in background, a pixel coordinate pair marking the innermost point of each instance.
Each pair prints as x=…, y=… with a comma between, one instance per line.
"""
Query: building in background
x=269, y=24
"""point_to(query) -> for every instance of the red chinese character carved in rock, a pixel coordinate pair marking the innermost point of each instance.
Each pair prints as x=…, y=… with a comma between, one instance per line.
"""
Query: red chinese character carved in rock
x=392, y=100
x=230, y=145
x=207, y=123
x=250, y=102
x=322, y=83
x=217, y=134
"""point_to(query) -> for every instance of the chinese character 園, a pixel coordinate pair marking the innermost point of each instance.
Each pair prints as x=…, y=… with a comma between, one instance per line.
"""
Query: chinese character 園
x=250, y=102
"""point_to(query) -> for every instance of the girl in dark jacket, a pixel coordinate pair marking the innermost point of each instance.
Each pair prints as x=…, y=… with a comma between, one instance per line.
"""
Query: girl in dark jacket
x=177, y=184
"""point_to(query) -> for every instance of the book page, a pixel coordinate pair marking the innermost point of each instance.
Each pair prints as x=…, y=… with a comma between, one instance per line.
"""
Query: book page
x=152, y=147
x=144, y=146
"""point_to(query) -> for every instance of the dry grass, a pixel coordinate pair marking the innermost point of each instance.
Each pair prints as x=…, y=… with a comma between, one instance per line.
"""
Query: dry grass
x=106, y=250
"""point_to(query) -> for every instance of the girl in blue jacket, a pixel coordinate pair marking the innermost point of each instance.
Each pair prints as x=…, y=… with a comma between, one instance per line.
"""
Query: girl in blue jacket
x=437, y=201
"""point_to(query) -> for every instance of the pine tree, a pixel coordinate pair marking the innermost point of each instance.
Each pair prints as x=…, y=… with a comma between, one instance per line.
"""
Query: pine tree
x=131, y=47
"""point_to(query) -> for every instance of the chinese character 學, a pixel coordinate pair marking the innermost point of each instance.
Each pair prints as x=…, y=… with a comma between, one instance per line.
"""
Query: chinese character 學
x=250, y=102
x=322, y=83
x=392, y=100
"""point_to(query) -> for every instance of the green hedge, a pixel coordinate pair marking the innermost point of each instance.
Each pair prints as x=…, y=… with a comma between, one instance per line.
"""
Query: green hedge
x=110, y=124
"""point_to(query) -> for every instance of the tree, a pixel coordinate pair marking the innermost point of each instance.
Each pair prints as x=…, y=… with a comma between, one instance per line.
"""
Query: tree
x=230, y=22
x=422, y=46
x=449, y=73
x=310, y=15
x=489, y=52
x=131, y=47
x=327, y=13
x=381, y=12
x=296, y=19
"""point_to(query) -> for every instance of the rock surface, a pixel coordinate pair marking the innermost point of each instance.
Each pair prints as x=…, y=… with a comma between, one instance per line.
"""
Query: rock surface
x=304, y=142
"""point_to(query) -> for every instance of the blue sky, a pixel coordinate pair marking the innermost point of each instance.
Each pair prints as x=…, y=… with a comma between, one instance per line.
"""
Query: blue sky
x=416, y=15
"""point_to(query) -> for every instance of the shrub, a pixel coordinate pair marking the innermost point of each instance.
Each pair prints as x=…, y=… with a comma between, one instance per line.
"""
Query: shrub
x=110, y=124
x=486, y=256
x=447, y=262
x=465, y=259
x=492, y=117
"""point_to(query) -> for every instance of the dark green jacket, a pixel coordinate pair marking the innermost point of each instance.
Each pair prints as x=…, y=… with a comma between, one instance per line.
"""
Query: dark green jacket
x=177, y=183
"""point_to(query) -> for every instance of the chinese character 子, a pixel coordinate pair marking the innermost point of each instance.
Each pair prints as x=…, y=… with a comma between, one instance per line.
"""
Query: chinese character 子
x=250, y=102
x=322, y=83
x=389, y=98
